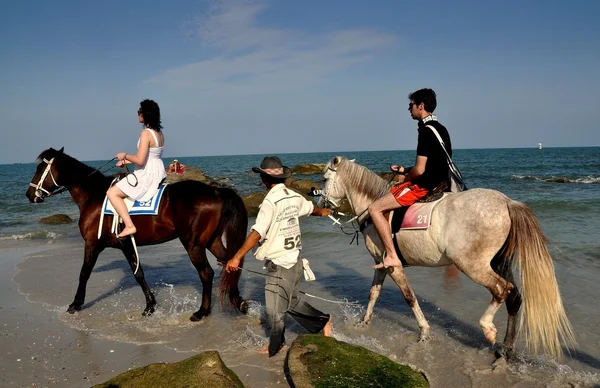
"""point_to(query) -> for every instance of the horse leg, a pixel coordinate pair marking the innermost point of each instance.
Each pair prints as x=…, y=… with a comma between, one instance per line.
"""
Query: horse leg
x=397, y=273
x=132, y=259
x=513, y=305
x=198, y=257
x=218, y=249
x=92, y=250
x=378, y=278
x=499, y=288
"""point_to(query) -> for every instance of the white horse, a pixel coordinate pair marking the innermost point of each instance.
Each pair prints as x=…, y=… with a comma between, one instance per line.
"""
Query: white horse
x=480, y=231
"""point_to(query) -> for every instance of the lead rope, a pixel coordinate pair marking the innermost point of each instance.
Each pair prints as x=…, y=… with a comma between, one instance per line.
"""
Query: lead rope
x=222, y=264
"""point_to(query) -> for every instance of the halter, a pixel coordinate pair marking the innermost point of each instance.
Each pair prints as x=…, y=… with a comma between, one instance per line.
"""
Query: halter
x=333, y=205
x=40, y=191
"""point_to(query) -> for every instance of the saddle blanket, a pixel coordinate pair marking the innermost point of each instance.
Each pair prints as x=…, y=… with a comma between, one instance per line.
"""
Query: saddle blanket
x=418, y=215
x=137, y=208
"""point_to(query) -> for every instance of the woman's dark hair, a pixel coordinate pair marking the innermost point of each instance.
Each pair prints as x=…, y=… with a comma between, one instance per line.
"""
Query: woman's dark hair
x=425, y=96
x=151, y=114
x=271, y=180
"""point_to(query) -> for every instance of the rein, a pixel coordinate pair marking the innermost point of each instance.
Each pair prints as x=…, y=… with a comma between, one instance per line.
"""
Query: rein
x=356, y=230
x=101, y=167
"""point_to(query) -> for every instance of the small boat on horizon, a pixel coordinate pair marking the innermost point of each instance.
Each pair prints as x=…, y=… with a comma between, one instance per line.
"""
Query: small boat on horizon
x=539, y=146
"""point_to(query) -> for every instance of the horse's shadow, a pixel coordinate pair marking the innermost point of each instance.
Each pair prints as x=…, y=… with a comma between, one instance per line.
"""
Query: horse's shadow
x=156, y=275
x=455, y=328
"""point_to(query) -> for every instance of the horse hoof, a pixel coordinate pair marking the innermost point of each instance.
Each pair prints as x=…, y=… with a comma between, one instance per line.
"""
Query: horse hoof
x=73, y=308
x=197, y=316
x=244, y=307
x=425, y=335
x=148, y=311
x=504, y=352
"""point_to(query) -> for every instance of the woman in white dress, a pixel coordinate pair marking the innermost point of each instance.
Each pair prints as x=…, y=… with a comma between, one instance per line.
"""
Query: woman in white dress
x=149, y=170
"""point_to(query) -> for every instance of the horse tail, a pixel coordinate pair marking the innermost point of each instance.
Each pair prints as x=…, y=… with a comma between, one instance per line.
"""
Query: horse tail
x=234, y=223
x=543, y=321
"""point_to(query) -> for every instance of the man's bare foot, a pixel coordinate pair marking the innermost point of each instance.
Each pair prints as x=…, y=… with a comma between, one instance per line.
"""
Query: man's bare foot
x=328, y=328
x=266, y=350
x=388, y=262
x=127, y=232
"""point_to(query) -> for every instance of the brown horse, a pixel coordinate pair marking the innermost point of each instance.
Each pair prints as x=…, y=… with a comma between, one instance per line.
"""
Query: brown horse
x=198, y=214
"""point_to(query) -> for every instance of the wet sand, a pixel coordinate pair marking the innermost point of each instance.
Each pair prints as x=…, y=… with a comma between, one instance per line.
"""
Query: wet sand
x=44, y=346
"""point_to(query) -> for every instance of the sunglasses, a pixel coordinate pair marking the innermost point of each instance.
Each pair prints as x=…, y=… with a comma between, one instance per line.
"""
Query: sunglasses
x=140, y=111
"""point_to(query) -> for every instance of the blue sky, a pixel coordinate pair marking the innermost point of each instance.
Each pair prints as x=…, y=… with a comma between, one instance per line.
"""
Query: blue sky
x=248, y=77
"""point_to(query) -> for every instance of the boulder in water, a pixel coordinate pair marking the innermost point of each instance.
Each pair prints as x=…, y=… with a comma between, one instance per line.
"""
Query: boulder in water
x=204, y=370
x=57, y=219
x=252, y=201
x=308, y=169
x=318, y=361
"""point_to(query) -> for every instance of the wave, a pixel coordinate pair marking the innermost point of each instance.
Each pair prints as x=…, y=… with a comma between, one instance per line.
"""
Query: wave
x=559, y=179
x=41, y=235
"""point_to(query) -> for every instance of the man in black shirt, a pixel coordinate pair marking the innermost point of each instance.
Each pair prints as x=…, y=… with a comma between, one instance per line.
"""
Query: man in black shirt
x=430, y=169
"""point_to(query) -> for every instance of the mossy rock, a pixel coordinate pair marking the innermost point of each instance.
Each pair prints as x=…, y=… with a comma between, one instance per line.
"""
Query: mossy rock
x=57, y=219
x=316, y=361
x=309, y=169
x=204, y=370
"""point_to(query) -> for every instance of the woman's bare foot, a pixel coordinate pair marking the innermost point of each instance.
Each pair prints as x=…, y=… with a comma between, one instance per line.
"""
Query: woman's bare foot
x=129, y=230
x=328, y=328
x=387, y=262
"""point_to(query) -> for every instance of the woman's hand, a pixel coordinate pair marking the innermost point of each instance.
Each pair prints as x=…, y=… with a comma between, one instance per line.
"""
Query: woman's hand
x=120, y=163
x=121, y=156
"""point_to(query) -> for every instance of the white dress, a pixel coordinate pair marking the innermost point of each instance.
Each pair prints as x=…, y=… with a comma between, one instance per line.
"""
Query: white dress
x=144, y=184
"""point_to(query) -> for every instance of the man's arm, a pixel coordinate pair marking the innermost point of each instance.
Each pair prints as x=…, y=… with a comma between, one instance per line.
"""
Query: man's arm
x=418, y=169
x=251, y=241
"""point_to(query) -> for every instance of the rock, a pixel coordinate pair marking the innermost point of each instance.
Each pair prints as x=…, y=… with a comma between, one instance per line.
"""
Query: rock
x=388, y=175
x=252, y=201
x=315, y=360
x=560, y=179
x=57, y=219
x=204, y=370
x=301, y=186
x=309, y=169
x=190, y=173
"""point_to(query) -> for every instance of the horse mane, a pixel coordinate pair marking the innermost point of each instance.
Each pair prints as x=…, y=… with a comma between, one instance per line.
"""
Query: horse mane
x=361, y=178
x=77, y=171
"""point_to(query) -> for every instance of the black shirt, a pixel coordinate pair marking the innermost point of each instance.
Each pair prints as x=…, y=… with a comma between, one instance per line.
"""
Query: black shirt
x=436, y=168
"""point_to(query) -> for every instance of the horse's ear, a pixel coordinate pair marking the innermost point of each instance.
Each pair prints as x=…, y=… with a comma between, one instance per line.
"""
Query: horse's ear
x=62, y=150
x=334, y=161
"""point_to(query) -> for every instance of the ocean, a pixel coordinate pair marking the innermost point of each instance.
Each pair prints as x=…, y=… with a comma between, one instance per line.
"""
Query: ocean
x=561, y=185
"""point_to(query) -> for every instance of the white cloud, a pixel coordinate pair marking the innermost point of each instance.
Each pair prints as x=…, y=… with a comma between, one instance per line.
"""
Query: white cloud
x=250, y=58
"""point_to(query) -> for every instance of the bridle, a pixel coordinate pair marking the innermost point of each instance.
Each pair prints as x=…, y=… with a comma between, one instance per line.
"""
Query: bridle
x=40, y=191
x=360, y=218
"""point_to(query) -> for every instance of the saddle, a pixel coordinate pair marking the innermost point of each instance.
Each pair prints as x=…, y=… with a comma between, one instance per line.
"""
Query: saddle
x=414, y=217
x=136, y=208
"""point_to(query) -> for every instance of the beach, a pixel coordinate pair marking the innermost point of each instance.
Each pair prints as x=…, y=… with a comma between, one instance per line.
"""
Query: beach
x=45, y=346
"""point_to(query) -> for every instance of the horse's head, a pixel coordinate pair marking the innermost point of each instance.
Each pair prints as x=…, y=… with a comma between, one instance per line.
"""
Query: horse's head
x=45, y=181
x=334, y=191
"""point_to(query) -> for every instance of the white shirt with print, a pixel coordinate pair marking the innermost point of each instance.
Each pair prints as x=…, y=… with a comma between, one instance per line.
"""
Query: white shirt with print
x=278, y=225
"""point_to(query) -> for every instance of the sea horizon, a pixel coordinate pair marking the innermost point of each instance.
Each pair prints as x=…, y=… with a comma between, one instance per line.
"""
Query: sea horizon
x=341, y=153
